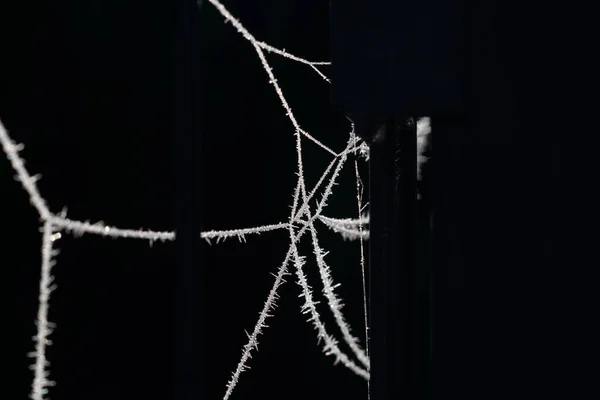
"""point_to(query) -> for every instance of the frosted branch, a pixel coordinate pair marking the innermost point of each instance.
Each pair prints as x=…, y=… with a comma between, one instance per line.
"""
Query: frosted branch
x=309, y=306
x=350, y=229
x=306, y=204
x=361, y=149
x=284, y=103
x=348, y=233
x=317, y=142
x=322, y=75
x=240, y=233
x=29, y=183
x=260, y=324
x=345, y=222
x=283, y=53
x=330, y=345
x=44, y=328
x=325, y=273
x=78, y=228
x=248, y=36
x=334, y=302
x=258, y=47
x=295, y=202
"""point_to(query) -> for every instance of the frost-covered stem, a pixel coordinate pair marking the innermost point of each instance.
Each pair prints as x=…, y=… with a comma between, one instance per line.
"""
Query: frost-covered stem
x=306, y=204
x=29, y=182
x=334, y=302
x=347, y=233
x=295, y=202
x=283, y=53
x=345, y=222
x=328, y=286
x=298, y=131
x=322, y=75
x=330, y=346
x=258, y=47
x=44, y=328
x=260, y=324
x=240, y=233
x=265, y=313
x=248, y=36
x=78, y=228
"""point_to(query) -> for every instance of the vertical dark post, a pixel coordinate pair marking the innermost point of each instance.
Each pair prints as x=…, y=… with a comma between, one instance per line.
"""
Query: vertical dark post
x=394, y=314
x=405, y=288
x=382, y=346
x=392, y=60
x=189, y=374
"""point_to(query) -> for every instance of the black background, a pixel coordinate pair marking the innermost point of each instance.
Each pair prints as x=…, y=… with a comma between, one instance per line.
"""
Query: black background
x=87, y=87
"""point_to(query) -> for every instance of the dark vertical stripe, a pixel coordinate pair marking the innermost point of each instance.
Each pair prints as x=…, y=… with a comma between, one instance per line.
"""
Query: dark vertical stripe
x=189, y=322
x=399, y=309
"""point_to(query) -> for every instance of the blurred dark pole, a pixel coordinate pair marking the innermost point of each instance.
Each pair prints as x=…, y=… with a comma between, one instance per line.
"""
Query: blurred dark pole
x=392, y=62
x=189, y=361
x=396, y=337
